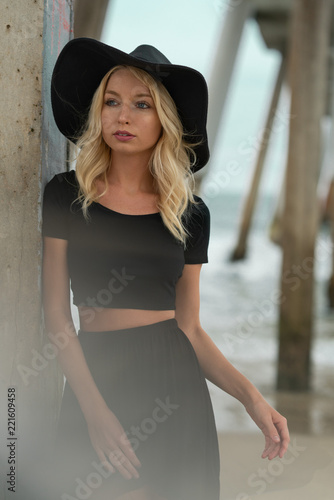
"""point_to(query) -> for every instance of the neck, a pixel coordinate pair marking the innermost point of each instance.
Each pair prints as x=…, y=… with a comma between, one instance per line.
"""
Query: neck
x=130, y=173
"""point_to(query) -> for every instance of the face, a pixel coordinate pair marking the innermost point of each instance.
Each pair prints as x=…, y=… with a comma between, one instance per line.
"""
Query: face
x=130, y=123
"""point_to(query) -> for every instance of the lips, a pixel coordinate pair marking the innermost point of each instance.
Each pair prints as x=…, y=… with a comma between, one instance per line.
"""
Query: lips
x=123, y=135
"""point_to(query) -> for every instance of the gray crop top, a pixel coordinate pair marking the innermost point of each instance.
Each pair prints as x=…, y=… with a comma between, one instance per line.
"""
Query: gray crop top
x=117, y=260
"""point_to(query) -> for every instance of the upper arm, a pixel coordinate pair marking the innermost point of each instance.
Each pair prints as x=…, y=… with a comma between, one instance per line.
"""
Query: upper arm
x=58, y=196
x=195, y=254
x=56, y=282
x=188, y=298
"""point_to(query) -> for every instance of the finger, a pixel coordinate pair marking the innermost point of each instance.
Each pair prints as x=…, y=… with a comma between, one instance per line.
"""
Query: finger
x=128, y=451
x=117, y=463
x=266, y=447
x=272, y=446
x=123, y=464
x=270, y=451
x=275, y=449
x=282, y=439
x=104, y=461
x=274, y=452
x=116, y=456
x=285, y=437
x=284, y=446
x=271, y=435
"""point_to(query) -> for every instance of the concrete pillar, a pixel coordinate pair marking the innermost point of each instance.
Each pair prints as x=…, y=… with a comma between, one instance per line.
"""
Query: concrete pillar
x=226, y=53
x=89, y=17
x=237, y=12
x=239, y=251
x=32, y=34
x=308, y=61
x=331, y=217
x=327, y=179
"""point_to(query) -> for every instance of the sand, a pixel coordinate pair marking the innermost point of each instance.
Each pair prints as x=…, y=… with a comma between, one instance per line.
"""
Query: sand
x=306, y=472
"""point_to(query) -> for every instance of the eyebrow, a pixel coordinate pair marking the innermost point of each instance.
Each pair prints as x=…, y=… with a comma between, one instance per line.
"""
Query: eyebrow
x=141, y=94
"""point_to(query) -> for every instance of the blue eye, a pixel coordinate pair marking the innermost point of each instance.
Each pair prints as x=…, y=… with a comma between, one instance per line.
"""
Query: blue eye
x=142, y=105
x=111, y=102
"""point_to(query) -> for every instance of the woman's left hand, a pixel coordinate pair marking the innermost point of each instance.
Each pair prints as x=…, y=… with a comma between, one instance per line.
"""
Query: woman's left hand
x=274, y=427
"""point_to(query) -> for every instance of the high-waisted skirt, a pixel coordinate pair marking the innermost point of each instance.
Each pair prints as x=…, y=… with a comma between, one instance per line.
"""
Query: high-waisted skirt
x=150, y=378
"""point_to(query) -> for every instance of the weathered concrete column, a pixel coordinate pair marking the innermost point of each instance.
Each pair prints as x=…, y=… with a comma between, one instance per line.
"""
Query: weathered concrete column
x=89, y=17
x=237, y=12
x=32, y=35
x=307, y=79
x=239, y=251
x=329, y=168
x=331, y=214
x=222, y=70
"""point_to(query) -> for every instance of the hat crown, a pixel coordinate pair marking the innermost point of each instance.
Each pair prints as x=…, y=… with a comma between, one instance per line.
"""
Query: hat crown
x=150, y=54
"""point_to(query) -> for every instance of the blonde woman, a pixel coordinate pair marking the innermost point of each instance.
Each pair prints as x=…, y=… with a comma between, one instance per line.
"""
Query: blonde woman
x=126, y=232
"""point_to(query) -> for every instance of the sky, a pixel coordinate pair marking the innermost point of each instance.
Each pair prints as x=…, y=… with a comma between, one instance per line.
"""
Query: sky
x=184, y=31
x=187, y=32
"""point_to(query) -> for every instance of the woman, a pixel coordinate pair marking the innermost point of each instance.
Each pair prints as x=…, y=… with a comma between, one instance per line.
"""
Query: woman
x=129, y=234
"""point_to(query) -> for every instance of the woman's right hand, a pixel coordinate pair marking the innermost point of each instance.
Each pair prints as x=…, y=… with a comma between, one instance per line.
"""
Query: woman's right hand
x=111, y=444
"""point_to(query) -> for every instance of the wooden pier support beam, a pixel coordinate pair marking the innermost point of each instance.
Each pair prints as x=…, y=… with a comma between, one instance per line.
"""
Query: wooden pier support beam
x=329, y=208
x=89, y=18
x=222, y=70
x=308, y=62
x=331, y=218
x=227, y=49
x=246, y=219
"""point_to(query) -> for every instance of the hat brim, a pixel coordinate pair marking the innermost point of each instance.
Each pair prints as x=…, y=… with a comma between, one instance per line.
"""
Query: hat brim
x=83, y=63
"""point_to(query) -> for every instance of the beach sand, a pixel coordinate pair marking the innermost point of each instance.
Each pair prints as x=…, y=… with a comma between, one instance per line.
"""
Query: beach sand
x=307, y=470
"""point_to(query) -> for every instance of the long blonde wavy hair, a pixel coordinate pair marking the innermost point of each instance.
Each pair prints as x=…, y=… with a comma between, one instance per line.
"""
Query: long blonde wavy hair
x=170, y=163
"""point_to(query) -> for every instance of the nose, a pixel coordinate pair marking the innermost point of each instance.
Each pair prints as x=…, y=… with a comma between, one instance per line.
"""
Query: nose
x=124, y=114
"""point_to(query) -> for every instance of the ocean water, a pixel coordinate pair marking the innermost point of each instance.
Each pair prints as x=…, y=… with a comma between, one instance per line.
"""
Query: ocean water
x=237, y=306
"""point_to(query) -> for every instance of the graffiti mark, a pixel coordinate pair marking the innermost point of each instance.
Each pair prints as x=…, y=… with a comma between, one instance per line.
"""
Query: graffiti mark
x=60, y=24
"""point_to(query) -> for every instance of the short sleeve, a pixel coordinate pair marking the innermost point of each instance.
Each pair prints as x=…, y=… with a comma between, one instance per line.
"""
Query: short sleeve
x=198, y=227
x=56, y=207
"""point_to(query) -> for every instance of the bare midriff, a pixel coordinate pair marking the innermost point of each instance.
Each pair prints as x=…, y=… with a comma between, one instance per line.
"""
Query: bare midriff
x=106, y=319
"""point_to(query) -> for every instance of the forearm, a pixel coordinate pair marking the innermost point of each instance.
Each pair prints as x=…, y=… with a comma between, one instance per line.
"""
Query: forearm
x=61, y=332
x=220, y=371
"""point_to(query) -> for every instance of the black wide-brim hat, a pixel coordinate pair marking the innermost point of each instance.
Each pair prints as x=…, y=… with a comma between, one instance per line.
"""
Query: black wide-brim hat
x=82, y=64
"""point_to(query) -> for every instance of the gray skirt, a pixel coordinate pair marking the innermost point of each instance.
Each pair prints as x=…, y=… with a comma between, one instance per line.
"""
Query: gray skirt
x=151, y=380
